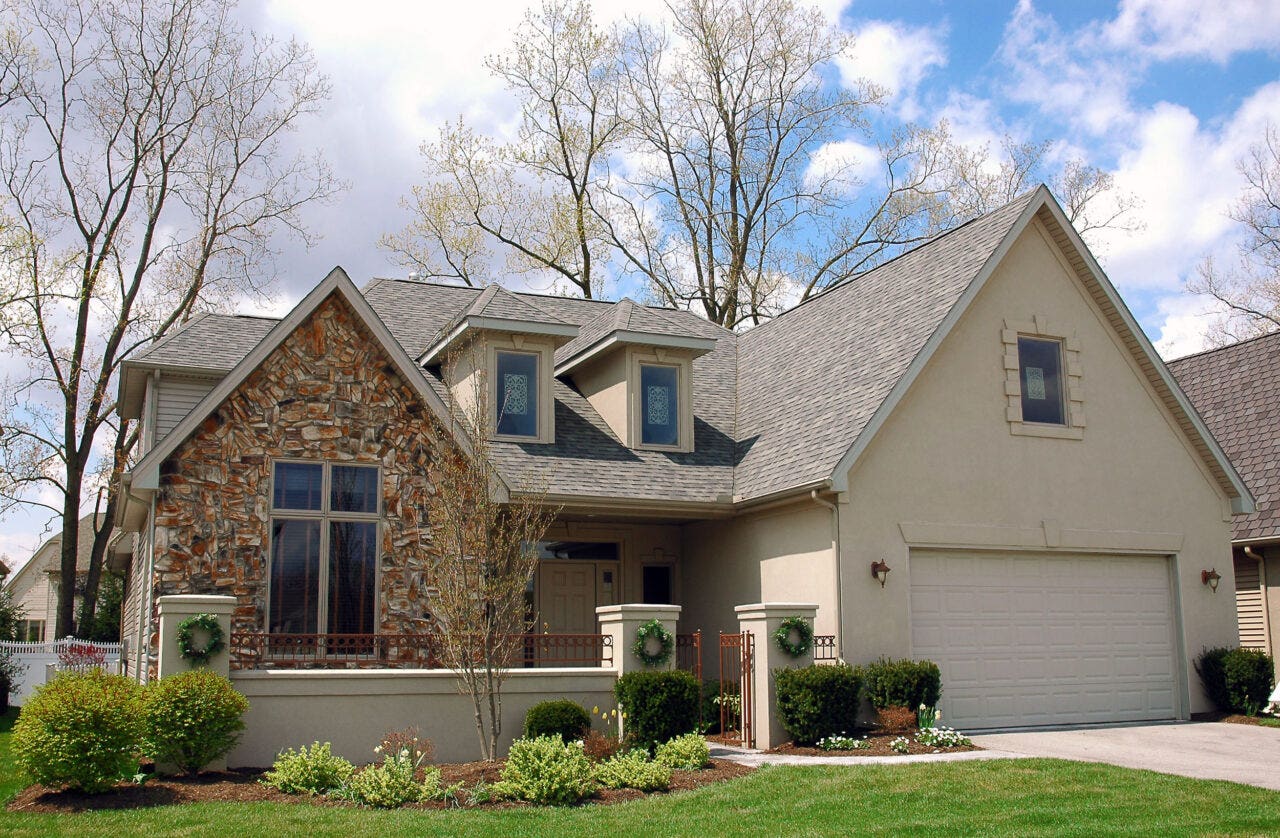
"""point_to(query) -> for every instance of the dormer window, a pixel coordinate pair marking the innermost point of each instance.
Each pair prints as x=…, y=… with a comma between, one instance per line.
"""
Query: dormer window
x=659, y=405
x=516, y=397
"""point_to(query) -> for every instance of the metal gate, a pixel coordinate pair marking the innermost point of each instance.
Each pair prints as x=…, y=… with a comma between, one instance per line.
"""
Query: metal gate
x=737, y=660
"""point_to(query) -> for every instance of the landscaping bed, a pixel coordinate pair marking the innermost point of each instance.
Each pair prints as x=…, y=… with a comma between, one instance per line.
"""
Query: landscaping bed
x=878, y=745
x=245, y=786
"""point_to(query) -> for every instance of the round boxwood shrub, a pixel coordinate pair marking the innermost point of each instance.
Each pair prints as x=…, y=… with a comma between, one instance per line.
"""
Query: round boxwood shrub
x=1237, y=680
x=658, y=706
x=82, y=730
x=818, y=701
x=192, y=719
x=903, y=683
x=561, y=717
x=546, y=770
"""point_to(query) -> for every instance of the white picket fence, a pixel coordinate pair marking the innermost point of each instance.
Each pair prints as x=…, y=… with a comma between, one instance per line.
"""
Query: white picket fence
x=40, y=662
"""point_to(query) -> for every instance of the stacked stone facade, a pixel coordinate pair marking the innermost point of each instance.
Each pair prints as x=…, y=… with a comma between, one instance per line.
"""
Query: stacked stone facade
x=327, y=393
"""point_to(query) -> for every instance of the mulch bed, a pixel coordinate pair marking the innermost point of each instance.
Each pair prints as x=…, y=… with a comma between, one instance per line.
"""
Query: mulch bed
x=242, y=785
x=1234, y=719
x=879, y=743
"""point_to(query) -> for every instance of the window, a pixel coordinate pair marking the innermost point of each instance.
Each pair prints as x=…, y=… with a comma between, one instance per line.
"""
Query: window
x=30, y=631
x=659, y=405
x=1040, y=374
x=517, y=394
x=657, y=584
x=324, y=548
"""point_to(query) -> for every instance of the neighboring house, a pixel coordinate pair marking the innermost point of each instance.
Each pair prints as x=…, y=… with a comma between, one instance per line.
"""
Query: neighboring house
x=1237, y=390
x=35, y=585
x=982, y=415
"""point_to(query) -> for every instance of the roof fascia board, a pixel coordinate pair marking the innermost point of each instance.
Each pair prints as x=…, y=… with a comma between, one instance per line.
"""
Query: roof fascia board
x=840, y=475
x=498, y=324
x=694, y=345
x=146, y=475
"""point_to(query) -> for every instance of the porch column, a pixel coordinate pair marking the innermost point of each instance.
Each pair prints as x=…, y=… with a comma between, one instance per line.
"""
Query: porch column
x=762, y=619
x=173, y=610
x=620, y=622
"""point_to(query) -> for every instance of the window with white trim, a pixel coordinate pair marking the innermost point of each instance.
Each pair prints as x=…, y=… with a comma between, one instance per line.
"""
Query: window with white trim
x=324, y=548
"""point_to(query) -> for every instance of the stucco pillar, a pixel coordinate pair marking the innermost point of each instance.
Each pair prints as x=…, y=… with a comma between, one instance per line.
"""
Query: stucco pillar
x=175, y=608
x=620, y=622
x=762, y=619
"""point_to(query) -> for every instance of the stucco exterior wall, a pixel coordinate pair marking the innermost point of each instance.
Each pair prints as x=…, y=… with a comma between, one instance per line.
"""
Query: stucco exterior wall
x=947, y=456
x=355, y=709
x=328, y=393
x=781, y=555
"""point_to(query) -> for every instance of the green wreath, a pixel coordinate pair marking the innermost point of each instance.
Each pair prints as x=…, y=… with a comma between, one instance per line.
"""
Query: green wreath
x=215, y=644
x=802, y=629
x=653, y=630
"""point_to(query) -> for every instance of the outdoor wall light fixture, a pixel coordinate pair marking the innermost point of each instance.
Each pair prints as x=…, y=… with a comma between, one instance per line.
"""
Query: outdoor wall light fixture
x=1211, y=578
x=880, y=571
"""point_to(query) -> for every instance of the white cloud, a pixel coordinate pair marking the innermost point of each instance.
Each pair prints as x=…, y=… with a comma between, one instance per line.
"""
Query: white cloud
x=894, y=56
x=1165, y=29
x=849, y=160
x=1184, y=321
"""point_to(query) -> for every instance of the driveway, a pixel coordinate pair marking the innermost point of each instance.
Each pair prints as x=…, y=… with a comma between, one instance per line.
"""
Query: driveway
x=1212, y=751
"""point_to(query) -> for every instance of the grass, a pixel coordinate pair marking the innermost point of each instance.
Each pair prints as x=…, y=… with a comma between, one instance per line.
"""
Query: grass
x=999, y=797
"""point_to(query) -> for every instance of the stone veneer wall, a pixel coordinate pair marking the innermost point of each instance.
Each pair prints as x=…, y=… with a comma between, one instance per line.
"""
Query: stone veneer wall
x=327, y=393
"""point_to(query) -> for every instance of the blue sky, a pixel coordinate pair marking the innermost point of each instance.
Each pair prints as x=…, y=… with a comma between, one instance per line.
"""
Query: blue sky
x=1166, y=94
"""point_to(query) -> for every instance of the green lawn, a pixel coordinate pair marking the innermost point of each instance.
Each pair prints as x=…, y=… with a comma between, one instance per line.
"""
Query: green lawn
x=1000, y=797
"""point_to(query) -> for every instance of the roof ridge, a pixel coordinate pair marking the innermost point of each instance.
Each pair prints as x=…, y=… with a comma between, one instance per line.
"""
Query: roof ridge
x=1223, y=348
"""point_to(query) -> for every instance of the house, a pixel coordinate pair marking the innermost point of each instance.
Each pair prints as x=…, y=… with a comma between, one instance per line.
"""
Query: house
x=970, y=454
x=35, y=585
x=1236, y=389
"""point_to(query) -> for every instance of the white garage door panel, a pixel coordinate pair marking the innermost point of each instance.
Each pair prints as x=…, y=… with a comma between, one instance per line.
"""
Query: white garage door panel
x=1045, y=639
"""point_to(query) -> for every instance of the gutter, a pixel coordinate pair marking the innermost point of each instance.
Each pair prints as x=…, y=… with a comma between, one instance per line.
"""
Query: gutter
x=1262, y=591
x=835, y=556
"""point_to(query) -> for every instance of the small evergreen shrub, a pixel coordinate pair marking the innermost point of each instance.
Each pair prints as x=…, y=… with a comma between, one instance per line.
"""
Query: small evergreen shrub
x=686, y=753
x=82, y=730
x=1237, y=680
x=546, y=770
x=562, y=718
x=393, y=782
x=632, y=771
x=818, y=700
x=658, y=706
x=309, y=771
x=903, y=683
x=192, y=718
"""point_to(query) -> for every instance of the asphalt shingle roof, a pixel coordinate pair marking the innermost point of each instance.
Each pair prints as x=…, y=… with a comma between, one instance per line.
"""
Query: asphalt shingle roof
x=774, y=408
x=1236, y=390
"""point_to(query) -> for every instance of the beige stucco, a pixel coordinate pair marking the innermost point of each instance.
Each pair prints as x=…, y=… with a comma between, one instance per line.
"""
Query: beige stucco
x=472, y=366
x=603, y=382
x=611, y=383
x=947, y=458
x=781, y=554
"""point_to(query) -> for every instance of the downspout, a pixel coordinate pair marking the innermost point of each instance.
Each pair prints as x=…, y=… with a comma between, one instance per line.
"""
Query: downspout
x=1262, y=593
x=835, y=561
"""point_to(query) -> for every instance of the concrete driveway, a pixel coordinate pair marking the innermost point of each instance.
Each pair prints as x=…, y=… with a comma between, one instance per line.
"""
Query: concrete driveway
x=1212, y=751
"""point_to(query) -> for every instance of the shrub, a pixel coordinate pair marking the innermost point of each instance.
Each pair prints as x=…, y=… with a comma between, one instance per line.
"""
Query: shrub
x=1237, y=680
x=192, y=718
x=393, y=783
x=818, y=700
x=546, y=770
x=309, y=771
x=903, y=683
x=562, y=718
x=658, y=706
x=600, y=746
x=687, y=753
x=632, y=771
x=82, y=730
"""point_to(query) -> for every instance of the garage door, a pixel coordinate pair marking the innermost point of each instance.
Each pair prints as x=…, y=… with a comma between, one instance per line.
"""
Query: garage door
x=1045, y=639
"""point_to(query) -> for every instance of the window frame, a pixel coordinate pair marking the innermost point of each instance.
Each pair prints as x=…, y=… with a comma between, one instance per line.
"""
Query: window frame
x=679, y=405
x=496, y=417
x=684, y=397
x=1071, y=380
x=521, y=345
x=325, y=516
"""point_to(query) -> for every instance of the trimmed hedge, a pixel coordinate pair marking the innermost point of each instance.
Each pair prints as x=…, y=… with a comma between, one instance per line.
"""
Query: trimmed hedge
x=902, y=683
x=818, y=701
x=560, y=717
x=658, y=705
x=1237, y=680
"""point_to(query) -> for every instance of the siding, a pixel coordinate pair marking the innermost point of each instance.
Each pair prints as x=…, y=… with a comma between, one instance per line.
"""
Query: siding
x=175, y=398
x=1249, y=604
